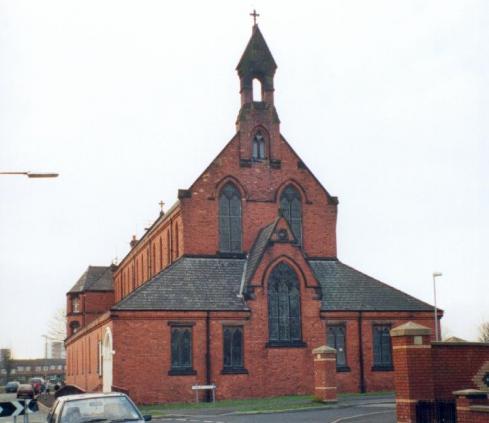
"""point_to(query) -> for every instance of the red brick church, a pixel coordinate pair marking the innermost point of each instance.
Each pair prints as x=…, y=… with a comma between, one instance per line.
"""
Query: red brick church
x=237, y=282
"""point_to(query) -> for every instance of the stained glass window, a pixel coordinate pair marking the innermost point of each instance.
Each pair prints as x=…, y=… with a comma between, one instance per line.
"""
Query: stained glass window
x=290, y=205
x=382, y=346
x=284, y=305
x=233, y=347
x=337, y=340
x=259, y=146
x=230, y=219
x=181, y=348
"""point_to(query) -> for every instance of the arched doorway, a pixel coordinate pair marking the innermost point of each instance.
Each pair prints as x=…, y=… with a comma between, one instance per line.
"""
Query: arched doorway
x=107, y=353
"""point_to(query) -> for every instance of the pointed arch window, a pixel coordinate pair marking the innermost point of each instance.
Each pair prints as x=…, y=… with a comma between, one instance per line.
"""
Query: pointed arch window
x=259, y=146
x=230, y=219
x=284, y=315
x=291, y=207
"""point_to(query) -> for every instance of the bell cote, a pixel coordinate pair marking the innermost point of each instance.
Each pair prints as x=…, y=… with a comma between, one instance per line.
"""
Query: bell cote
x=257, y=119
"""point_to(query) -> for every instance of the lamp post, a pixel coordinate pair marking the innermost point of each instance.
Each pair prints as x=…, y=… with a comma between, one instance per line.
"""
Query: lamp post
x=32, y=174
x=435, y=275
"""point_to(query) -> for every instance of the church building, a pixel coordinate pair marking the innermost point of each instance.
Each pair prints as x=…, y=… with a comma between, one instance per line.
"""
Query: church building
x=237, y=282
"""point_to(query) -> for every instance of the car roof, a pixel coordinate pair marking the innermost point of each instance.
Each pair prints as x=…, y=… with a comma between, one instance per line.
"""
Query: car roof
x=91, y=395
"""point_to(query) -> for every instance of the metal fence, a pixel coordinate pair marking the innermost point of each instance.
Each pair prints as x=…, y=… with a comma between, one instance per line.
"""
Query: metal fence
x=436, y=412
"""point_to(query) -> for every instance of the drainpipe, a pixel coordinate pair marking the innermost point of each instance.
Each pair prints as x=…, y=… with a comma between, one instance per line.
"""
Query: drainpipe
x=360, y=353
x=208, y=354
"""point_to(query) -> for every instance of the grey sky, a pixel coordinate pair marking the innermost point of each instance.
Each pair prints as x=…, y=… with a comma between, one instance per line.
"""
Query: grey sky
x=386, y=102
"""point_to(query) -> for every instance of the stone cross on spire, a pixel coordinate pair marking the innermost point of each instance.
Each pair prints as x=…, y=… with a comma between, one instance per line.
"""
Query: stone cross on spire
x=255, y=15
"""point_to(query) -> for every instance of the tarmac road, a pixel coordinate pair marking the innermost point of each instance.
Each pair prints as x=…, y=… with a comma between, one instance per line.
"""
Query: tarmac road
x=374, y=413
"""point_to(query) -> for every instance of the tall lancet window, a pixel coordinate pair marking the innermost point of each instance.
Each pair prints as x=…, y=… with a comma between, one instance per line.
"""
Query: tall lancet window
x=259, y=146
x=284, y=314
x=290, y=205
x=230, y=219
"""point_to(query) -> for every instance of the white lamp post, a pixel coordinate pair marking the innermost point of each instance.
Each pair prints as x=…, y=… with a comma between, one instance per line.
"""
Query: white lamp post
x=435, y=275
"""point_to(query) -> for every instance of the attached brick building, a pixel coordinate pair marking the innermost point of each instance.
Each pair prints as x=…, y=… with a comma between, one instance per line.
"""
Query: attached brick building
x=238, y=281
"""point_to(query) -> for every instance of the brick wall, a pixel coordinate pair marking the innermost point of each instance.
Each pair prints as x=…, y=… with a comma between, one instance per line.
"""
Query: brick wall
x=260, y=187
x=83, y=365
x=472, y=406
x=160, y=246
x=455, y=366
x=427, y=370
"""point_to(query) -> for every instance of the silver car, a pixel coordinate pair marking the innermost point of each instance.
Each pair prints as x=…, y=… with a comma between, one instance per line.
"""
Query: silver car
x=95, y=407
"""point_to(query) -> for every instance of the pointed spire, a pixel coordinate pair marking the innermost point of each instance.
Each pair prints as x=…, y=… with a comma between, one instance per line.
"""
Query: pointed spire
x=257, y=60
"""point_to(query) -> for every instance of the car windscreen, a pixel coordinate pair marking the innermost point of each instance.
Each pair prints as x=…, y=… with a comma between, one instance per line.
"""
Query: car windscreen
x=99, y=409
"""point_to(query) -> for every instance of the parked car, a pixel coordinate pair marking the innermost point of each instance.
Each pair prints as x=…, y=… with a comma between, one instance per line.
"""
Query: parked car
x=38, y=384
x=12, y=386
x=114, y=406
x=26, y=391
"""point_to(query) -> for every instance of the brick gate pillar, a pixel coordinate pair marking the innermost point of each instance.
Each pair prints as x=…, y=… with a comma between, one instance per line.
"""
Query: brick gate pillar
x=413, y=374
x=325, y=373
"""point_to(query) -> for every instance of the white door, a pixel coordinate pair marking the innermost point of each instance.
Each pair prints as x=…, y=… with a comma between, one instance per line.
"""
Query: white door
x=107, y=352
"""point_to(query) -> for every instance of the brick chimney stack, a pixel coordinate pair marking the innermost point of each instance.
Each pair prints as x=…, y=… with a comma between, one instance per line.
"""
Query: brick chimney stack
x=133, y=242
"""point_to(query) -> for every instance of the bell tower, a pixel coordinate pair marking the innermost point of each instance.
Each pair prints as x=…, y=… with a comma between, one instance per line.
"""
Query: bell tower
x=257, y=122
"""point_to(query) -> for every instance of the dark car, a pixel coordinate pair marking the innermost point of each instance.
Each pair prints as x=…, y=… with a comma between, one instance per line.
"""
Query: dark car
x=25, y=391
x=11, y=387
x=115, y=407
x=38, y=384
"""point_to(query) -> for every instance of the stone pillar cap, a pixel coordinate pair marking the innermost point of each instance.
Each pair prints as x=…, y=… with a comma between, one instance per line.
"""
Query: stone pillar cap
x=470, y=393
x=410, y=328
x=324, y=349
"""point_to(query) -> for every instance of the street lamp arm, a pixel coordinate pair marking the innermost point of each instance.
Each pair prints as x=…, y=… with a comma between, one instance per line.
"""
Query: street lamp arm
x=33, y=174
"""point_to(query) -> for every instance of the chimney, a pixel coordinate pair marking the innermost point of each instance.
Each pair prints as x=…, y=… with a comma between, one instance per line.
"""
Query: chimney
x=133, y=242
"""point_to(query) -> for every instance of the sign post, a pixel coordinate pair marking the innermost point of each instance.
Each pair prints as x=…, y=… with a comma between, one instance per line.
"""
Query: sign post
x=18, y=408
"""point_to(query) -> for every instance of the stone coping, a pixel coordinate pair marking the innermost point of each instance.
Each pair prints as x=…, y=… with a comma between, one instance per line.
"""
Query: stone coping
x=471, y=393
x=480, y=408
x=410, y=329
x=324, y=349
x=460, y=344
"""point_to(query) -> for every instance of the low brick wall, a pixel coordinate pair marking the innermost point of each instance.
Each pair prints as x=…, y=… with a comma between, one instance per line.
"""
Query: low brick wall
x=472, y=406
x=426, y=371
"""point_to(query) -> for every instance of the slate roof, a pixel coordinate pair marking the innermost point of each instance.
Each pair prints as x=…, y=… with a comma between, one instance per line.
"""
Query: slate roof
x=213, y=284
x=256, y=57
x=344, y=288
x=95, y=278
x=257, y=250
x=191, y=284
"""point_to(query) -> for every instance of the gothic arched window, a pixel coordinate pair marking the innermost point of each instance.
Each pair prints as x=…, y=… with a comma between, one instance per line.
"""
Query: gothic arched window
x=259, y=146
x=284, y=314
x=230, y=219
x=290, y=205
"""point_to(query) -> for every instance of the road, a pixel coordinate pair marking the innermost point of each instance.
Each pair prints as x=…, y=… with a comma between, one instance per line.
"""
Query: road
x=373, y=413
x=38, y=417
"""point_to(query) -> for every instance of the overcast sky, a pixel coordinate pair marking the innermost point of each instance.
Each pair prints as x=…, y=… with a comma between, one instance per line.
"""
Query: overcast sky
x=387, y=102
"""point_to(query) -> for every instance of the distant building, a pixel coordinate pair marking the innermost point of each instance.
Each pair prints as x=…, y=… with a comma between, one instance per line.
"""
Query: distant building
x=23, y=369
x=57, y=350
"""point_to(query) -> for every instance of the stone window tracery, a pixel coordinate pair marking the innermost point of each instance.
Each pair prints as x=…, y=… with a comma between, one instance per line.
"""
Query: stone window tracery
x=284, y=315
x=233, y=346
x=230, y=219
x=337, y=340
x=382, y=347
x=291, y=208
x=259, y=146
x=181, y=350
